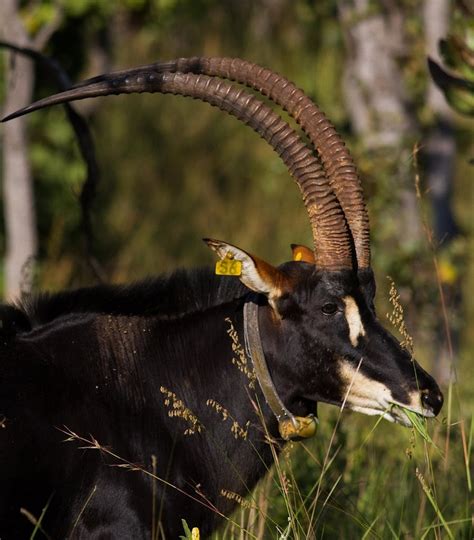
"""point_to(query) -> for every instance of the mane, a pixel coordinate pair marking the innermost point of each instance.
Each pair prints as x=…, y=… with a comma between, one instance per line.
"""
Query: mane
x=175, y=295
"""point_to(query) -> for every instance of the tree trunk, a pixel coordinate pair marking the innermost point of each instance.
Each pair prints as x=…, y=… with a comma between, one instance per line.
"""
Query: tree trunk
x=372, y=75
x=19, y=208
x=439, y=154
x=440, y=146
x=376, y=98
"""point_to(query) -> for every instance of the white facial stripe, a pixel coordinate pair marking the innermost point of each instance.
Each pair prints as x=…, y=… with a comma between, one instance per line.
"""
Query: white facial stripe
x=374, y=398
x=364, y=394
x=356, y=328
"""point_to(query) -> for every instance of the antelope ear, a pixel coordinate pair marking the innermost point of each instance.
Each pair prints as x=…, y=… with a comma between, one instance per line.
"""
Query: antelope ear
x=256, y=274
x=302, y=253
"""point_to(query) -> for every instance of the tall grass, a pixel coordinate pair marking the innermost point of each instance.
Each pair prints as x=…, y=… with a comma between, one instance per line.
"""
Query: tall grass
x=375, y=480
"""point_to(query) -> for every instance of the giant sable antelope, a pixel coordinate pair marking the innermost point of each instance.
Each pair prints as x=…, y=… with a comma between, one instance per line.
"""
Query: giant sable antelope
x=101, y=360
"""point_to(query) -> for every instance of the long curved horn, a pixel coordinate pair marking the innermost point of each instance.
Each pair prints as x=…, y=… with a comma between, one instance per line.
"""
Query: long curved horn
x=330, y=233
x=337, y=161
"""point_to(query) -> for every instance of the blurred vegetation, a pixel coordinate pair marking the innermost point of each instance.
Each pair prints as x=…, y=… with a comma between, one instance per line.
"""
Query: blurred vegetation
x=176, y=170
x=457, y=51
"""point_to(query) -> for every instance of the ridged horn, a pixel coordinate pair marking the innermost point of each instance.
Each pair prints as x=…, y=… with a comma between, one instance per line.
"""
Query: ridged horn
x=336, y=158
x=330, y=232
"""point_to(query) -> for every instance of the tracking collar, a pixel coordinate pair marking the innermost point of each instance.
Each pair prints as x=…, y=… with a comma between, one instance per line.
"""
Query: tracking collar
x=291, y=427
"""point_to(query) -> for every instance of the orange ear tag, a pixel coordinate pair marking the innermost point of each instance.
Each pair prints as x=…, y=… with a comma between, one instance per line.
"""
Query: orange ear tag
x=302, y=253
x=229, y=266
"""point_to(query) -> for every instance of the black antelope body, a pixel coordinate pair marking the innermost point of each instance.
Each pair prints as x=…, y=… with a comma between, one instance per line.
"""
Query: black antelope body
x=100, y=361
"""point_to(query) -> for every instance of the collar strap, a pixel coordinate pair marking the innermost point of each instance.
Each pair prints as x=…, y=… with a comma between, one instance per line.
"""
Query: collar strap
x=290, y=427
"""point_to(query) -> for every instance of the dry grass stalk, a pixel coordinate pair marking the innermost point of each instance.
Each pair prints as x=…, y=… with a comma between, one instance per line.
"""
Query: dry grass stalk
x=92, y=444
x=154, y=520
x=397, y=317
x=231, y=496
x=91, y=494
x=237, y=430
x=179, y=410
x=240, y=359
x=32, y=519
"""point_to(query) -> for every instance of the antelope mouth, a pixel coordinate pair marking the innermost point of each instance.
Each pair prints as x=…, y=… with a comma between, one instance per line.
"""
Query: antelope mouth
x=400, y=416
x=374, y=398
x=393, y=411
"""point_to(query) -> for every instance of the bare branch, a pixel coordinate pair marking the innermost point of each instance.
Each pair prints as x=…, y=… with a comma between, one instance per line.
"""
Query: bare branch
x=86, y=147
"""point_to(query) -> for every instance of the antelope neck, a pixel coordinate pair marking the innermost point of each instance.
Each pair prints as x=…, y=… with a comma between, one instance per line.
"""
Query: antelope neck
x=291, y=427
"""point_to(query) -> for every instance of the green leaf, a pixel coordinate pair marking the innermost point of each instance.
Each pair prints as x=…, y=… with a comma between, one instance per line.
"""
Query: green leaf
x=418, y=425
x=458, y=56
x=459, y=92
x=187, y=531
x=37, y=17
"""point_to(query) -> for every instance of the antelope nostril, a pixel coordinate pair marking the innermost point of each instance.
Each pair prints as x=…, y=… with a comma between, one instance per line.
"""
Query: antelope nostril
x=432, y=400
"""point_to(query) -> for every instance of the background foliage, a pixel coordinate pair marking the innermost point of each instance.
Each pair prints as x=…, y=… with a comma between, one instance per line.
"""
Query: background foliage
x=174, y=171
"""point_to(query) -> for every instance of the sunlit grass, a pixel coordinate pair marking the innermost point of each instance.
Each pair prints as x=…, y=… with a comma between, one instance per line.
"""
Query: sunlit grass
x=382, y=481
x=419, y=424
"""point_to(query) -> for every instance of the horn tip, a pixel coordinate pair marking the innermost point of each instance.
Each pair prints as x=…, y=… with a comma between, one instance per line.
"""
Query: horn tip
x=11, y=116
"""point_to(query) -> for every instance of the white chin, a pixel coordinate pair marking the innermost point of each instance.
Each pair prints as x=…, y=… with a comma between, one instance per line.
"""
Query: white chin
x=394, y=414
x=384, y=413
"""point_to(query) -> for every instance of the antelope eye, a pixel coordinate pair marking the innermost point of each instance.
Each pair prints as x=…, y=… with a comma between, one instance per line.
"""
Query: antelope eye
x=329, y=309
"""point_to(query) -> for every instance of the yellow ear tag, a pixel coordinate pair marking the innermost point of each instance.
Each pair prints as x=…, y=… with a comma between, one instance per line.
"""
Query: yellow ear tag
x=298, y=255
x=229, y=266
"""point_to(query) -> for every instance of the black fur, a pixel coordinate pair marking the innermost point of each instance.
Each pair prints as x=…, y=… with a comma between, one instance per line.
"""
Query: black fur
x=172, y=296
x=93, y=360
x=97, y=361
